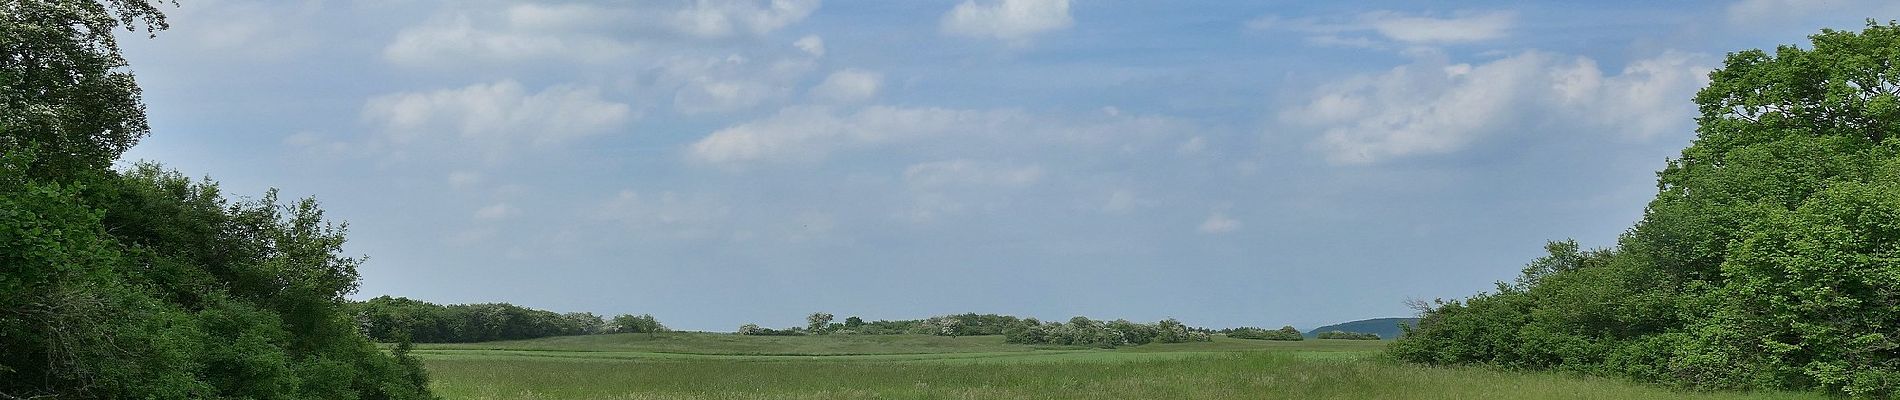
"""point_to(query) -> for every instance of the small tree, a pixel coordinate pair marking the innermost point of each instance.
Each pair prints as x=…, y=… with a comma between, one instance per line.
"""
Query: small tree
x=643, y=323
x=818, y=323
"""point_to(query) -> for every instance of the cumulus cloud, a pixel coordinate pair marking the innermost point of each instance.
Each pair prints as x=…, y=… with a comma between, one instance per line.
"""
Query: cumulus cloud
x=849, y=85
x=249, y=30
x=464, y=179
x=810, y=133
x=1193, y=145
x=1121, y=201
x=965, y=172
x=589, y=33
x=720, y=18
x=1758, y=12
x=1218, y=223
x=1435, y=107
x=524, y=32
x=1373, y=28
x=811, y=44
x=729, y=83
x=1009, y=20
x=495, y=211
x=496, y=115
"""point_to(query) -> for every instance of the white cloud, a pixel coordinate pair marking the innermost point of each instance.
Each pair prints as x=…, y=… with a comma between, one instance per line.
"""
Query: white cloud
x=495, y=211
x=964, y=172
x=729, y=83
x=531, y=33
x=1193, y=145
x=1009, y=20
x=811, y=44
x=1121, y=201
x=464, y=179
x=849, y=85
x=1470, y=27
x=808, y=133
x=497, y=115
x=248, y=30
x=587, y=33
x=1398, y=27
x=720, y=18
x=1434, y=107
x=1219, y=223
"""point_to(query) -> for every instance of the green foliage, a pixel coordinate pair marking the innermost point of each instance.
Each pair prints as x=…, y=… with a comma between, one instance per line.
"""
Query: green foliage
x=642, y=323
x=1768, y=259
x=149, y=284
x=1081, y=331
x=818, y=323
x=1287, y=333
x=394, y=319
x=1343, y=335
x=755, y=330
x=64, y=89
x=143, y=283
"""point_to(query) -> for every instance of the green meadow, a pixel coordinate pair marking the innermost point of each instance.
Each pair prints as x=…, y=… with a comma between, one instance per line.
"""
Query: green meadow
x=726, y=366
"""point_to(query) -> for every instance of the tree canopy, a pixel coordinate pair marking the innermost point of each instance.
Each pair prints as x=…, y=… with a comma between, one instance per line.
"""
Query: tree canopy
x=144, y=283
x=1769, y=258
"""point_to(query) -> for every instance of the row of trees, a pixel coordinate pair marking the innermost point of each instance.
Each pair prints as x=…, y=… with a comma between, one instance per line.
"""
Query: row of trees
x=1081, y=331
x=1286, y=333
x=968, y=324
x=1769, y=258
x=144, y=283
x=1344, y=335
x=396, y=319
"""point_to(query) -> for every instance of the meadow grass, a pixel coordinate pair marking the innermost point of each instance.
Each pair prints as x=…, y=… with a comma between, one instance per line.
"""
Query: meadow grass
x=715, y=366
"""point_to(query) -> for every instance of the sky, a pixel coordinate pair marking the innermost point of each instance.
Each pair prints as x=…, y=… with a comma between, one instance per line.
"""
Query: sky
x=722, y=162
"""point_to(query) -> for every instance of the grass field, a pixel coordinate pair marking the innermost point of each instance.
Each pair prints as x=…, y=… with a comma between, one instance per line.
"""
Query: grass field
x=721, y=366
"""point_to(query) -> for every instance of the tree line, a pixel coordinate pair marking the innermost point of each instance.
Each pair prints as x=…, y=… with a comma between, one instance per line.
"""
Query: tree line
x=1769, y=258
x=142, y=283
x=1079, y=331
x=1344, y=335
x=1286, y=333
x=395, y=319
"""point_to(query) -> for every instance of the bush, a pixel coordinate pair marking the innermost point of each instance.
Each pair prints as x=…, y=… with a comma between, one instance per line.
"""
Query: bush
x=1343, y=335
x=1286, y=333
x=1767, y=259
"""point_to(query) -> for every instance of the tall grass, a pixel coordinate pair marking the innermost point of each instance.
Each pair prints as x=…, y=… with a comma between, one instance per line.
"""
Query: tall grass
x=1229, y=369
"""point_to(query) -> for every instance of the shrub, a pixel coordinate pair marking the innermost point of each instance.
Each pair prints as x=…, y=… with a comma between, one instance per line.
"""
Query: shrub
x=1347, y=335
x=1286, y=333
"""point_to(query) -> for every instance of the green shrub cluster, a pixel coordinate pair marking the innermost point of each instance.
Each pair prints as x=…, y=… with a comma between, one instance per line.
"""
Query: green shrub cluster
x=1343, y=335
x=394, y=319
x=755, y=330
x=1769, y=259
x=144, y=284
x=1081, y=331
x=1286, y=333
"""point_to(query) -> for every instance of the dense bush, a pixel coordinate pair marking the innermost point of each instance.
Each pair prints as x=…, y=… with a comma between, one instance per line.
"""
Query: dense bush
x=1768, y=259
x=1287, y=333
x=1347, y=335
x=1081, y=331
x=755, y=330
x=643, y=323
x=967, y=324
x=143, y=283
x=393, y=319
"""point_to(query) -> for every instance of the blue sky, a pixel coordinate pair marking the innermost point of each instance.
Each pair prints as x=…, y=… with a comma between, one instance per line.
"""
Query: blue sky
x=721, y=162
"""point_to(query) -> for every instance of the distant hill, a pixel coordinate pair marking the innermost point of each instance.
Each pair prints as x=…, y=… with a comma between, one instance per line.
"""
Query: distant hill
x=1387, y=328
